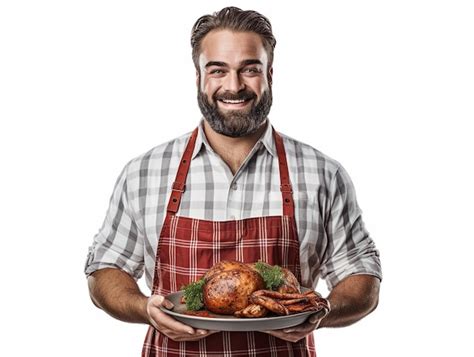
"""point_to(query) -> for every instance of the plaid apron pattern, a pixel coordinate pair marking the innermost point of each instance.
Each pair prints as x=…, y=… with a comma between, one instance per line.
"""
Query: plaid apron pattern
x=188, y=247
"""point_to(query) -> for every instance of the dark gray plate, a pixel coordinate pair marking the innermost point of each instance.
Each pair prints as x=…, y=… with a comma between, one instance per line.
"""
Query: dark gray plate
x=230, y=323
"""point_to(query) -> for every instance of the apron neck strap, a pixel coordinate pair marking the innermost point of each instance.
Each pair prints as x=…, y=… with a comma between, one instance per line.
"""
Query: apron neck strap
x=179, y=185
x=285, y=185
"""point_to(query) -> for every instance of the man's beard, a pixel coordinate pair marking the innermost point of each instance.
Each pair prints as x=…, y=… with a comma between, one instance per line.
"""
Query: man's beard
x=236, y=123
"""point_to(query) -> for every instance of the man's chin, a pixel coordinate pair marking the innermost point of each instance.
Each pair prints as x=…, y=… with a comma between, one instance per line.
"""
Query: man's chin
x=235, y=122
x=229, y=115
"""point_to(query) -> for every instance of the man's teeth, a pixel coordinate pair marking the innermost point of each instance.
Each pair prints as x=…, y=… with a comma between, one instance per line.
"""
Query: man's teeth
x=230, y=101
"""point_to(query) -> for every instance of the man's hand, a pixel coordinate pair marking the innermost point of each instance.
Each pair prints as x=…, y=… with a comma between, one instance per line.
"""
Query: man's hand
x=117, y=293
x=296, y=333
x=350, y=300
x=168, y=326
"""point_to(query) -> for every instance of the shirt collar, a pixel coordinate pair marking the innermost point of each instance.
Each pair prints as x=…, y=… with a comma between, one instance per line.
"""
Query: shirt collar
x=266, y=139
x=201, y=141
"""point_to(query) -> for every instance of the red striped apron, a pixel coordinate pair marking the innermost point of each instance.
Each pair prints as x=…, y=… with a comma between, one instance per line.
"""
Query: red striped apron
x=188, y=247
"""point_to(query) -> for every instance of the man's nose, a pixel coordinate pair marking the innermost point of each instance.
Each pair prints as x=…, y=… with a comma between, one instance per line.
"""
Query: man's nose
x=233, y=82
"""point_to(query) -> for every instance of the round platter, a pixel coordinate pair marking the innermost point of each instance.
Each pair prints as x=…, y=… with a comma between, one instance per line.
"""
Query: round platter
x=217, y=322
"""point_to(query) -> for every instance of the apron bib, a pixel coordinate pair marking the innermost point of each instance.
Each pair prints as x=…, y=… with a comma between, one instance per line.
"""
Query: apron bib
x=188, y=247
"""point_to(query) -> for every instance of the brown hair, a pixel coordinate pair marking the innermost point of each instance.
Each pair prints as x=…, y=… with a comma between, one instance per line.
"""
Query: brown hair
x=234, y=19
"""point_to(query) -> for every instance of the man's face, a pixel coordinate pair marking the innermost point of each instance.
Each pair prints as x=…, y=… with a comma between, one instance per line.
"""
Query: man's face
x=234, y=93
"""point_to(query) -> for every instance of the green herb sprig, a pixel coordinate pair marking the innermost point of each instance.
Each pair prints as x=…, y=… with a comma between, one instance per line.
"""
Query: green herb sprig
x=193, y=295
x=272, y=275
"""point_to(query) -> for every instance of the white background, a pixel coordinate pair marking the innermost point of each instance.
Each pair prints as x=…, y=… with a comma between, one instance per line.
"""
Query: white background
x=386, y=88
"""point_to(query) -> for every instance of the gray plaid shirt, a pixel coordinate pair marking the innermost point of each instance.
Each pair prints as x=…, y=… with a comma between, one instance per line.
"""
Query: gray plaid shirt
x=333, y=240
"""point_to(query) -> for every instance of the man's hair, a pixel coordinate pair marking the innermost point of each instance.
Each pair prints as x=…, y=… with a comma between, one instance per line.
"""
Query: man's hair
x=234, y=19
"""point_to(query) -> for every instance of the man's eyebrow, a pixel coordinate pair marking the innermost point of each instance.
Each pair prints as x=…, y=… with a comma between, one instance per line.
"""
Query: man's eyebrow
x=250, y=61
x=244, y=63
x=216, y=63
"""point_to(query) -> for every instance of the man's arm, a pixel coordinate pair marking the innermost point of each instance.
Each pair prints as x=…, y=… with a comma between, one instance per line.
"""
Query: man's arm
x=352, y=299
x=117, y=293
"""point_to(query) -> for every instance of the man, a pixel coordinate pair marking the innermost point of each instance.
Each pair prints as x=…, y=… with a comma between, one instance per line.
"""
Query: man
x=233, y=189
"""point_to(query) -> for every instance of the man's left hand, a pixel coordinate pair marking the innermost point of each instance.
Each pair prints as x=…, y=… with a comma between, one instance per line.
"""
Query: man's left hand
x=296, y=333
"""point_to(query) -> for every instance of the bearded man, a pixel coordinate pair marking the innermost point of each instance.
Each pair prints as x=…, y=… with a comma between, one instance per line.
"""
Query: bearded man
x=233, y=189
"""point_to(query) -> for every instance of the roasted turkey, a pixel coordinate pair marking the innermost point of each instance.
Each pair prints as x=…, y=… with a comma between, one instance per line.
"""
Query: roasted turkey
x=235, y=288
x=228, y=286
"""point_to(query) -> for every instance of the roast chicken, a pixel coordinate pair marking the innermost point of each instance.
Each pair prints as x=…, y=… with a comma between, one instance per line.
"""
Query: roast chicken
x=235, y=288
x=228, y=286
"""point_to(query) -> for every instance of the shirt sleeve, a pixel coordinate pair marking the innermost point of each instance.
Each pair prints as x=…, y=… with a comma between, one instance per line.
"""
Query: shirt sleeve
x=350, y=249
x=119, y=243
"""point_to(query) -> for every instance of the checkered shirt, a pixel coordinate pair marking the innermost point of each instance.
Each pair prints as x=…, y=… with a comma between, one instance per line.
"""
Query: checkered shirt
x=334, y=242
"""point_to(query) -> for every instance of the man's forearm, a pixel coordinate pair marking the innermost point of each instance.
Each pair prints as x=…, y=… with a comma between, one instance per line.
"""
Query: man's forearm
x=117, y=293
x=351, y=300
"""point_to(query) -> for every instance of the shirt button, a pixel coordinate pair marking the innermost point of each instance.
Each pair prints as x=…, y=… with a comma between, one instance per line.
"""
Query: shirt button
x=234, y=186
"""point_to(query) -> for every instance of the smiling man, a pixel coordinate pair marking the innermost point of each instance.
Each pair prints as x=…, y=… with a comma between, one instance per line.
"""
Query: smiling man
x=234, y=96
x=233, y=189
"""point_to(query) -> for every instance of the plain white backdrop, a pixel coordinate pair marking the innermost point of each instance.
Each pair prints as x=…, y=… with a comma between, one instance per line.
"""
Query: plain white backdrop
x=384, y=87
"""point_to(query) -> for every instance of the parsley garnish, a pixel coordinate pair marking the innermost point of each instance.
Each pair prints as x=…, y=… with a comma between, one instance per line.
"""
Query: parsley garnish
x=272, y=275
x=193, y=295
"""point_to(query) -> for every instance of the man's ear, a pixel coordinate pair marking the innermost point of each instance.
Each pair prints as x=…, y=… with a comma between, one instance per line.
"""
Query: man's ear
x=270, y=76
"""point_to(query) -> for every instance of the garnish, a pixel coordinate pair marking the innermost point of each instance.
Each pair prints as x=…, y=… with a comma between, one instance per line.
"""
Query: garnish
x=272, y=275
x=193, y=295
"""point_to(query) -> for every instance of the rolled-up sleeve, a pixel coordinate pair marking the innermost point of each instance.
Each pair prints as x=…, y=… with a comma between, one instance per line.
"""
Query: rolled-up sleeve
x=350, y=251
x=119, y=243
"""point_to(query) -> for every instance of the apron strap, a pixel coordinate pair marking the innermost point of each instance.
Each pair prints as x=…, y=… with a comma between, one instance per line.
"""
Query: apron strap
x=285, y=184
x=179, y=185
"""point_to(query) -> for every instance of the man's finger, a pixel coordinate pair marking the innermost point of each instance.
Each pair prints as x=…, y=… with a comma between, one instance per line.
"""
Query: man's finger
x=156, y=300
x=294, y=333
x=168, y=304
x=168, y=322
x=291, y=337
x=317, y=317
x=186, y=337
x=300, y=328
x=276, y=333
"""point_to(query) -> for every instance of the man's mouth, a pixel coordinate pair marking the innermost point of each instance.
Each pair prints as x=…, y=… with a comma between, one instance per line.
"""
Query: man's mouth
x=234, y=103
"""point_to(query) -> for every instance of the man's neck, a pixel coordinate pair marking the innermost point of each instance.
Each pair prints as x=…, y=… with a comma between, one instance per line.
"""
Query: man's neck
x=232, y=150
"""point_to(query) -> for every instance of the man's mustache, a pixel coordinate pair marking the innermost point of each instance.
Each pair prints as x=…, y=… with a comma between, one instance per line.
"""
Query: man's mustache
x=243, y=95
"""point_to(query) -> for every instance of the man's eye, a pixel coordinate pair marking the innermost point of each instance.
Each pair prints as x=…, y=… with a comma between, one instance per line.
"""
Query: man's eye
x=216, y=71
x=252, y=70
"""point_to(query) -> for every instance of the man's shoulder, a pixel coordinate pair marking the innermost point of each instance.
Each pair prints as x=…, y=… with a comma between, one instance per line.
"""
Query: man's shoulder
x=158, y=154
x=308, y=155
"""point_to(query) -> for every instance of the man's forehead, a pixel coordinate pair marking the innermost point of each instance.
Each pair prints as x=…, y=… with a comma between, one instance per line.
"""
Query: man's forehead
x=232, y=48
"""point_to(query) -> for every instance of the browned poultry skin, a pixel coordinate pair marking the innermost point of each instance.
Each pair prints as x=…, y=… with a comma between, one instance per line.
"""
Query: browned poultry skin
x=225, y=265
x=236, y=288
x=290, y=283
x=292, y=301
x=228, y=291
x=277, y=295
x=270, y=304
x=300, y=307
x=252, y=310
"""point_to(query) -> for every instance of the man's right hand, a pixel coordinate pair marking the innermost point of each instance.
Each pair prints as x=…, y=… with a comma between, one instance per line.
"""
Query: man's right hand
x=168, y=326
x=117, y=293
